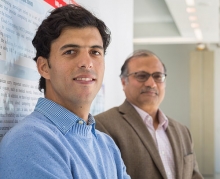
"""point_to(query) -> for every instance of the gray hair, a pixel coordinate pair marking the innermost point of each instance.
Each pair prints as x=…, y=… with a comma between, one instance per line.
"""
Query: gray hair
x=137, y=53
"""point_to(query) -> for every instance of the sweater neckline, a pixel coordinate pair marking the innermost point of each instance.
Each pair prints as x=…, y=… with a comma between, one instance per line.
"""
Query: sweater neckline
x=64, y=119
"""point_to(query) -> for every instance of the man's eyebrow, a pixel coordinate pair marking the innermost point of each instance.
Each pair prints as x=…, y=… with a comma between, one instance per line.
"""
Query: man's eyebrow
x=97, y=46
x=69, y=45
x=78, y=46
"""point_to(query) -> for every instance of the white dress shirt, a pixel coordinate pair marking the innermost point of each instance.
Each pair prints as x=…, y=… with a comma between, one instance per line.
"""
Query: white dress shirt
x=161, y=140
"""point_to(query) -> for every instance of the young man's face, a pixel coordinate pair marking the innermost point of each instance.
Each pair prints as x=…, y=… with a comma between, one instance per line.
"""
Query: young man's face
x=76, y=67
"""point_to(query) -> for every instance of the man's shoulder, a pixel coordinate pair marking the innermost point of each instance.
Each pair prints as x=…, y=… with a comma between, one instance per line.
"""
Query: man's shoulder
x=179, y=127
x=106, y=139
x=175, y=122
x=116, y=111
x=108, y=114
x=32, y=127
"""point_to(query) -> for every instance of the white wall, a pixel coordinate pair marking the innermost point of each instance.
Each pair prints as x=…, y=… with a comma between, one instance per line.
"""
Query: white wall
x=118, y=16
x=217, y=105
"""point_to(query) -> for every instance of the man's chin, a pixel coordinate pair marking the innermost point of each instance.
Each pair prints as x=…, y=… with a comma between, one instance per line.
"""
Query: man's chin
x=150, y=100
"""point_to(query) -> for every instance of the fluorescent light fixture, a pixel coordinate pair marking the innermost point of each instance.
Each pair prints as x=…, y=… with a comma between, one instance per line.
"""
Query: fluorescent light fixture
x=190, y=9
x=194, y=25
x=164, y=40
x=190, y=2
x=198, y=34
x=192, y=18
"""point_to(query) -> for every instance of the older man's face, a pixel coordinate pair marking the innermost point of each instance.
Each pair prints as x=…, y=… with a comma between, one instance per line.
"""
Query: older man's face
x=148, y=94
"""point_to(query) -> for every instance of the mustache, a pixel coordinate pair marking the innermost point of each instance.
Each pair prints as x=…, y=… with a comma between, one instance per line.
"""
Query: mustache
x=149, y=89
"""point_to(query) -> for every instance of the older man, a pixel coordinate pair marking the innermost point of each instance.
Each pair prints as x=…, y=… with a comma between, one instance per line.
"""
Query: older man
x=153, y=145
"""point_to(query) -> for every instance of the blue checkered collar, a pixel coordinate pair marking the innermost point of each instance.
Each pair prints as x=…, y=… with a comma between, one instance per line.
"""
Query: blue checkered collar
x=63, y=118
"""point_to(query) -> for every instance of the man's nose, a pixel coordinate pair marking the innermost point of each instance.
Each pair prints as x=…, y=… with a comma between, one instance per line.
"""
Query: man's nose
x=85, y=61
x=150, y=82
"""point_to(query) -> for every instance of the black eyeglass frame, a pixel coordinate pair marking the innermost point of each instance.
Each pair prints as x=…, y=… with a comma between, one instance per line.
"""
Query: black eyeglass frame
x=153, y=74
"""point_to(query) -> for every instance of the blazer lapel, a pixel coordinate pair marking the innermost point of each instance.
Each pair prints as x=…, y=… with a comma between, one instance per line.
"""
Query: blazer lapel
x=133, y=118
x=177, y=148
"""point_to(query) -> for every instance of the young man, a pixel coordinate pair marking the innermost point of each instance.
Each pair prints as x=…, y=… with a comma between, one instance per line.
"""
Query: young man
x=58, y=140
x=152, y=145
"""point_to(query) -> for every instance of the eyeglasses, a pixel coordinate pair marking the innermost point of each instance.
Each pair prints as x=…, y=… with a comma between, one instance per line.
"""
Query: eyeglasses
x=143, y=76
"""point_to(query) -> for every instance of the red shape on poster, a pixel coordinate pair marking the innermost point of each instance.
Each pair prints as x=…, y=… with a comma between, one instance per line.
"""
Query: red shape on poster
x=56, y=3
x=59, y=3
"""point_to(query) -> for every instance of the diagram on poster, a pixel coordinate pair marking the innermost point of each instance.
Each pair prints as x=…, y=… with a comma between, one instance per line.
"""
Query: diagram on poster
x=18, y=73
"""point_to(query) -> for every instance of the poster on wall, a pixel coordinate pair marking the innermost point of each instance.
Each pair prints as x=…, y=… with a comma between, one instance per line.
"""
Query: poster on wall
x=18, y=74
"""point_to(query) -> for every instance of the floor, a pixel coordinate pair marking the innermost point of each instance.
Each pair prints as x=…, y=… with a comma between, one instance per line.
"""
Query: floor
x=217, y=176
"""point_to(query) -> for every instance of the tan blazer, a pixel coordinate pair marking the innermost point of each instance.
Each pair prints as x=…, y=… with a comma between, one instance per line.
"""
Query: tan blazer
x=138, y=149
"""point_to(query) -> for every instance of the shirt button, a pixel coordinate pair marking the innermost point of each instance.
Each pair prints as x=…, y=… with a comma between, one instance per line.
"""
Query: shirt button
x=163, y=152
x=80, y=122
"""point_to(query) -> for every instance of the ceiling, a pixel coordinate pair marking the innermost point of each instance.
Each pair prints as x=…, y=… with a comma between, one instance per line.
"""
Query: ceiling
x=168, y=22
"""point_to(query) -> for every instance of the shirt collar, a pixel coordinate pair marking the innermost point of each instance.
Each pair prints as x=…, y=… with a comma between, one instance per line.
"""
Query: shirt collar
x=60, y=116
x=163, y=120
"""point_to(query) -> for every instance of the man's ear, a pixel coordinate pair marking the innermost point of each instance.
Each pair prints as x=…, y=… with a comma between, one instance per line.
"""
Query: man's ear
x=123, y=82
x=43, y=67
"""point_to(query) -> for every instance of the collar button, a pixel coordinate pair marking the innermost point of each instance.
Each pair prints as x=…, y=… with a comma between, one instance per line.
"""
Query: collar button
x=80, y=122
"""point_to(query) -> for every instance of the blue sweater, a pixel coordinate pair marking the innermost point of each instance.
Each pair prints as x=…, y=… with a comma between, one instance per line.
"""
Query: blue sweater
x=54, y=143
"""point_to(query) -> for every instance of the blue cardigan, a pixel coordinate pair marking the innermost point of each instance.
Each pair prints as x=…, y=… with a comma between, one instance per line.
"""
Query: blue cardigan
x=54, y=143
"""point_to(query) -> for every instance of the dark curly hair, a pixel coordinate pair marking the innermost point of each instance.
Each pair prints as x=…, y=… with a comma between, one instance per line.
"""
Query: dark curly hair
x=60, y=18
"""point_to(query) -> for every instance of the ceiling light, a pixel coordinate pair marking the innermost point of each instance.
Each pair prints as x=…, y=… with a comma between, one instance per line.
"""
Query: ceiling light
x=198, y=34
x=201, y=46
x=192, y=18
x=194, y=25
x=190, y=2
x=190, y=9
